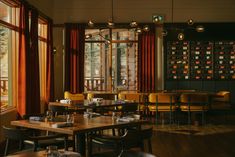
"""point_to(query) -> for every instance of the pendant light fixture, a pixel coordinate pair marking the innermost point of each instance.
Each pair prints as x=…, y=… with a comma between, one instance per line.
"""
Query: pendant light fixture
x=111, y=24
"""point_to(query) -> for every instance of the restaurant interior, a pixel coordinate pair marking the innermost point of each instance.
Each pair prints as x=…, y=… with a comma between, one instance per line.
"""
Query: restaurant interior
x=117, y=78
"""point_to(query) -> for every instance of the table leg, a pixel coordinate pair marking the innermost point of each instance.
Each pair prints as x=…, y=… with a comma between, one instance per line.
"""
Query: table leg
x=80, y=143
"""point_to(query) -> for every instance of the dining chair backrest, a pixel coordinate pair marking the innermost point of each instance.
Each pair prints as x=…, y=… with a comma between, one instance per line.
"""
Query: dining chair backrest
x=137, y=97
x=14, y=134
x=164, y=98
x=58, y=110
x=73, y=96
x=194, y=98
x=224, y=96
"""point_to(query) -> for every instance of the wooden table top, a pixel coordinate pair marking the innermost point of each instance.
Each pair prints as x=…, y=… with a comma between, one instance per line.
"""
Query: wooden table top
x=88, y=104
x=81, y=124
x=43, y=153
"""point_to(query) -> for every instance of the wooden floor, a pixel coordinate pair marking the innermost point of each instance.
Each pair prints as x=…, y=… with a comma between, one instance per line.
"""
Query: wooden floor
x=188, y=143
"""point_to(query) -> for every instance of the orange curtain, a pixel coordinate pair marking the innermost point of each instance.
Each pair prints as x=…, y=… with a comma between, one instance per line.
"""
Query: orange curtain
x=23, y=48
x=28, y=68
x=49, y=65
x=146, y=61
x=74, y=57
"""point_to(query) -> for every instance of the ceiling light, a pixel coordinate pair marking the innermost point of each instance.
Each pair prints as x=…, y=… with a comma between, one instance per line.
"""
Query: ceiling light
x=164, y=33
x=200, y=28
x=181, y=36
x=190, y=22
x=138, y=30
x=90, y=23
x=146, y=28
x=110, y=24
x=88, y=36
x=133, y=24
x=157, y=18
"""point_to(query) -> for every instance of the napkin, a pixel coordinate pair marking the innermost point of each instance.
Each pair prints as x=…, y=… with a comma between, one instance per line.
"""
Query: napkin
x=125, y=119
x=61, y=125
x=69, y=154
x=65, y=101
x=35, y=118
x=97, y=99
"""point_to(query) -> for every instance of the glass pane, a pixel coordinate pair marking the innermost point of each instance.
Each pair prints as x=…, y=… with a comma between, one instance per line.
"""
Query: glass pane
x=4, y=50
x=42, y=29
x=94, y=61
x=124, y=65
x=9, y=14
x=97, y=34
x=124, y=59
x=124, y=34
x=42, y=46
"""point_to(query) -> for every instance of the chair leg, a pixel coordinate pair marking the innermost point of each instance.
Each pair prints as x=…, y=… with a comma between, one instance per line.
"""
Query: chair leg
x=189, y=118
x=21, y=145
x=89, y=145
x=6, y=147
x=35, y=146
x=150, y=145
x=66, y=143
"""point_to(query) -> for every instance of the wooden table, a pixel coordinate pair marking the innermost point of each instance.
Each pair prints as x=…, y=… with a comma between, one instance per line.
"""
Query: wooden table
x=80, y=127
x=42, y=153
x=84, y=104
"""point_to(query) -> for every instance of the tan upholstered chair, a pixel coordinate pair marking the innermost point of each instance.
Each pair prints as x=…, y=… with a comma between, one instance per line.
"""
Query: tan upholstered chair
x=194, y=102
x=135, y=97
x=221, y=101
x=163, y=102
x=73, y=96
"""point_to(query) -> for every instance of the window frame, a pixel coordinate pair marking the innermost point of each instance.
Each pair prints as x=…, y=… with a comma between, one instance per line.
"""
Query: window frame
x=114, y=86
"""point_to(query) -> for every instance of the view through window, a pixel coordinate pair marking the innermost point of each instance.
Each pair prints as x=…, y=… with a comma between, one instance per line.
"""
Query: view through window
x=8, y=51
x=111, y=59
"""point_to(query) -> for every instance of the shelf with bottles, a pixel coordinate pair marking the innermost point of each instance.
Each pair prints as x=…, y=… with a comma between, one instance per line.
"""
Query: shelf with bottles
x=201, y=62
x=224, y=53
x=177, y=60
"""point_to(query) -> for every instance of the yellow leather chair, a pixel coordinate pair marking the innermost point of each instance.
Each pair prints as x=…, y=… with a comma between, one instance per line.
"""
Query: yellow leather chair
x=221, y=101
x=135, y=97
x=73, y=96
x=163, y=102
x=194, y=102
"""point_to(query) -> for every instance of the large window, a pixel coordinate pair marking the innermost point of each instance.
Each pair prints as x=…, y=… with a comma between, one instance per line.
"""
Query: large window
x=110, y=59
x=9, y=22
x=42, y=45
x=8, y=54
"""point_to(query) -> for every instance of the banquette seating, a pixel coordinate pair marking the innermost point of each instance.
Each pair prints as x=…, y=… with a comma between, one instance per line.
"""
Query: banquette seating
x=221, y=101
x=193, y=103
x=163, y=102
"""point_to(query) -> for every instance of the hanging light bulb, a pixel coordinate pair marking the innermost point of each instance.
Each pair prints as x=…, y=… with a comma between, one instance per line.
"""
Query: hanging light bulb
x=190, y=22
x=164, y=33
x=146, y=28
x=110, y=24
x=181, y=36
x=90, y=23
x=157, y=18
x=200, y=28
x=88, y=36
x=138, y=30
x=133, y=24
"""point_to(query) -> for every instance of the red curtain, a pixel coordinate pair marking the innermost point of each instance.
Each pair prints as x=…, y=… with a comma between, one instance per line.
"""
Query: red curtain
x=146, y=61
x=74, y=57
x=28, y=68
x=50, y=65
